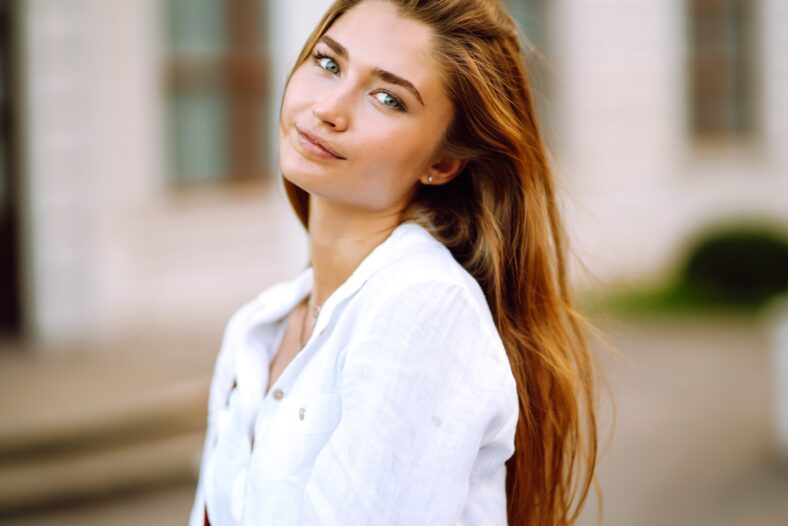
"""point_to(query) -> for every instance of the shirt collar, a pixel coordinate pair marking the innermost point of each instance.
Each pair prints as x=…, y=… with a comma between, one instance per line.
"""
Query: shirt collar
x=291, y=293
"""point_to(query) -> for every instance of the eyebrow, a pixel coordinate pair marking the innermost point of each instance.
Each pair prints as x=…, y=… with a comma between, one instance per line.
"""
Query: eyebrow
x=382, y=74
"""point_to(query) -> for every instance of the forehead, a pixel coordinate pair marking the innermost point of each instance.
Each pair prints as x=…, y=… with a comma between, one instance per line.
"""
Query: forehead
x=376, y=36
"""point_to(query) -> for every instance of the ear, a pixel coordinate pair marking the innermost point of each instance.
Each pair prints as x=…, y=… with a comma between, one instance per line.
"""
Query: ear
x=442, y=171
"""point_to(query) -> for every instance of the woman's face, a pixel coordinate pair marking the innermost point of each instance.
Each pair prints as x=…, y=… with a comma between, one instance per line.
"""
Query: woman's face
x=372, y=95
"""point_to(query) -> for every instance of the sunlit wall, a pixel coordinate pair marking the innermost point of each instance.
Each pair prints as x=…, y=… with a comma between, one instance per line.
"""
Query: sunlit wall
x=151, y=199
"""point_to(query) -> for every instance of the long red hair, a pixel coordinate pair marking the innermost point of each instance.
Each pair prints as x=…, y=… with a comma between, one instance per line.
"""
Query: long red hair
x=500, y=219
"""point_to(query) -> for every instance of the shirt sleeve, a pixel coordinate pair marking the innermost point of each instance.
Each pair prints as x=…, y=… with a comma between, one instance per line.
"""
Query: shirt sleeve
x=221, y=382
x=197, y=515
x=425, y=384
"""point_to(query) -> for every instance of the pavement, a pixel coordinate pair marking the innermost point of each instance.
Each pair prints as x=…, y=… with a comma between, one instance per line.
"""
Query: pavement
x=693, y=439
x=113, y=437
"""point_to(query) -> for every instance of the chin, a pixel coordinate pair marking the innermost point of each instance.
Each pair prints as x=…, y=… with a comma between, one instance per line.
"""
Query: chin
x=299, y=176
x=295, y=177
x=300, y=170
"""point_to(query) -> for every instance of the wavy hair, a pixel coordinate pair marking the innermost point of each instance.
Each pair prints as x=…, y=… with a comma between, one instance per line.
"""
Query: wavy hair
x=500, y=219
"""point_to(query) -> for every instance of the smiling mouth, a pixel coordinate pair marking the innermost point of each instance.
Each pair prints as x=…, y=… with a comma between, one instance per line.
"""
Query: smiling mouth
x=314, y=149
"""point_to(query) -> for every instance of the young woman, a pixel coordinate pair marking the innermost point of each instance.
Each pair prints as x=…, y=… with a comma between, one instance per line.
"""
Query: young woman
x=427, y=367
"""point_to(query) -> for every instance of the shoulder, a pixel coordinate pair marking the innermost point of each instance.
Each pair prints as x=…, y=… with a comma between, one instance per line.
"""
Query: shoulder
x=425, y=271
x=266, y=304
x=269, y=304
x=424, y=312
x=422, y=296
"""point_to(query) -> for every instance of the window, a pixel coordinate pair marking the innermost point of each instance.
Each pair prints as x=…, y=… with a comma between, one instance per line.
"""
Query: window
x=721, y=67
x=215, y=84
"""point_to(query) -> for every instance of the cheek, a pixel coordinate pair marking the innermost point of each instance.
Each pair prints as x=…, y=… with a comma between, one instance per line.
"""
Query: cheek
x=400, y=150
x=288, y=106
x=389, y=168
x=295, y=95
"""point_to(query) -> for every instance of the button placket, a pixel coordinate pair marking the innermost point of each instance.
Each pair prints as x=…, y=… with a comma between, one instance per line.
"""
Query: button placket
x=278, y=394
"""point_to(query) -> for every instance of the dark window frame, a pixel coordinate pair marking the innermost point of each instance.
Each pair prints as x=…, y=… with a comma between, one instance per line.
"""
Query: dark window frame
x=239, y=75
x=11, y=301
x=722, y=67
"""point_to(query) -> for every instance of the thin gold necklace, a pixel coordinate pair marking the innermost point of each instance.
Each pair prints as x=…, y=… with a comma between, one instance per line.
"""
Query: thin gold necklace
x=303, y=321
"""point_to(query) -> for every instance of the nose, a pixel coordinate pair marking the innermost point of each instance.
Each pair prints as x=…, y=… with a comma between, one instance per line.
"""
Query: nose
x=332, y=110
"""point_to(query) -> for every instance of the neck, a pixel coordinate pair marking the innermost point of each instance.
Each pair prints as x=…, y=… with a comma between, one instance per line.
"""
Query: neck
x=340, y=238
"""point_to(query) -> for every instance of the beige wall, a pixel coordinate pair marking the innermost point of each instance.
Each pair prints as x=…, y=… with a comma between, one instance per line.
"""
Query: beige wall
x=636, y=187
x=90, y=152
x=113, y=250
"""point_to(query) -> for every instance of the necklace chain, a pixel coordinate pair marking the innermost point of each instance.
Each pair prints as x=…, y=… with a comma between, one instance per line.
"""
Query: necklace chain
x=303, y=321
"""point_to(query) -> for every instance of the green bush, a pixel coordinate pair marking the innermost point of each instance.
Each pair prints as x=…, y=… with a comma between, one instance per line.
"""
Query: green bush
x=728, y=268
x=736, y=266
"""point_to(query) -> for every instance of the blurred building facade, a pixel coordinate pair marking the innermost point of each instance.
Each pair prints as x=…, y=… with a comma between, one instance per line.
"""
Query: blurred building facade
x=141, y=177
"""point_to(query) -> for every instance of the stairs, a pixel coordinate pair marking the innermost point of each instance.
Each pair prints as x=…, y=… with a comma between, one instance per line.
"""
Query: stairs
x=70, y=438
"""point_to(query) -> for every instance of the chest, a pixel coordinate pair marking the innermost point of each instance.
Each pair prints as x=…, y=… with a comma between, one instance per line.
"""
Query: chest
x=287, y=433
x=297, y=330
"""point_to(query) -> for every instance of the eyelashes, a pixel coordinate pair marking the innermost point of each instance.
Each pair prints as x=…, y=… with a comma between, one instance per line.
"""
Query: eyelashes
x=322, y=60
x=319, y=58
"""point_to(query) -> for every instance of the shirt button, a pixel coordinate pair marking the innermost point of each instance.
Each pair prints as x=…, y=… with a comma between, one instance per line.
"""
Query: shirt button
x=278, y=394
x=301, y=413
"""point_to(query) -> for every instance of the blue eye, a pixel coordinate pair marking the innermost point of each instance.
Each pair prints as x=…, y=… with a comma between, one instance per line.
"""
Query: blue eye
x=327, y=63
x=389, y=100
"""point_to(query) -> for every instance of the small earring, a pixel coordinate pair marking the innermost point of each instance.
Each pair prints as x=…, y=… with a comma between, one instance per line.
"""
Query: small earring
x=429, y=179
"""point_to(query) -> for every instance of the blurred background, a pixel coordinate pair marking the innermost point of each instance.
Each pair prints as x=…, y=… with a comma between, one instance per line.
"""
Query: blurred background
x=140, y=205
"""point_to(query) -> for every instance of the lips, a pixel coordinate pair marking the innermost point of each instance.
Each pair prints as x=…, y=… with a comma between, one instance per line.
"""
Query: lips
x=317, y=146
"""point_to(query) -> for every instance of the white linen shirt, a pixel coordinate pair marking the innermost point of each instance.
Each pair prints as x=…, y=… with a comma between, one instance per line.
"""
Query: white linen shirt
x=400, y=410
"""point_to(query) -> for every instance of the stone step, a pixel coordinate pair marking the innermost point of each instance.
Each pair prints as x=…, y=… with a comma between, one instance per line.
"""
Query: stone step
x=167, y=410
x=139, y=440
x=48, y=481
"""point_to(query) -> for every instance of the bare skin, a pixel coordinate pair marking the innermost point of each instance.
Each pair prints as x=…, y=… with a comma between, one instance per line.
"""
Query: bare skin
x=290, y=343
x=379, y=140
